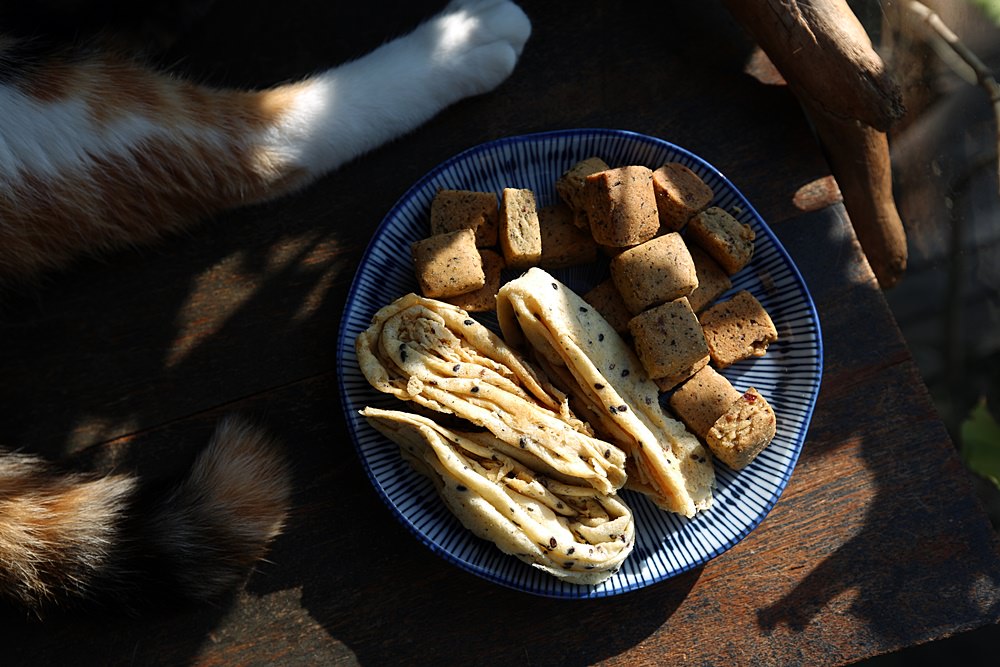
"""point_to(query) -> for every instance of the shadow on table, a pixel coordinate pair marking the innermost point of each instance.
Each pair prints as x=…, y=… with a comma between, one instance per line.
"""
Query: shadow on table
x=925, y=574
x=234, y=311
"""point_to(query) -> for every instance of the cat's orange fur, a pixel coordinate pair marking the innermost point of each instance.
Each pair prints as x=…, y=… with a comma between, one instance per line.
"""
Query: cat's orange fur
x=97, y=153
x=159, y=186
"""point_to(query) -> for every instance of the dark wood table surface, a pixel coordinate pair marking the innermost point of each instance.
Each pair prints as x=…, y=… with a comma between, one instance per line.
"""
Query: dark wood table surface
x=877, y=543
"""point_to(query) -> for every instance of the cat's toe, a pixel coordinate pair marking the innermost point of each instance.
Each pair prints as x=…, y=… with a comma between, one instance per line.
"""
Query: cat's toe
x=481, y=22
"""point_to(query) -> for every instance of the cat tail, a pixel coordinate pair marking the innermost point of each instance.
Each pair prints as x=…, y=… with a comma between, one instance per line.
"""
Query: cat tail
x=70, y=538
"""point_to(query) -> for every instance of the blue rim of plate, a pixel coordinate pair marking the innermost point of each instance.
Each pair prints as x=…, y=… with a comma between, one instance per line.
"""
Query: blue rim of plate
x=667, y=545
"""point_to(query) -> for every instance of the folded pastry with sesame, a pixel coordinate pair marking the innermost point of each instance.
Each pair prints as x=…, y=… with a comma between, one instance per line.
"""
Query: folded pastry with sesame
x=608, y=386
x=436, y=356
x=566, y=529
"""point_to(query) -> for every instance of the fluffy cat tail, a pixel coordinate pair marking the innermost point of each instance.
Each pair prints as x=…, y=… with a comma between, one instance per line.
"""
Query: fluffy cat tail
x=70, y=538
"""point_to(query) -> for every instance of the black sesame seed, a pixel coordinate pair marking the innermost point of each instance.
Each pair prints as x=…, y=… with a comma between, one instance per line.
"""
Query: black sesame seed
x=475, y=390
x=622, y=408
x=611, y=367
x=625, y=373
x=523, y=442
x=600, y=337
x=613, y=409
x=607, y=453
x=554, y=286
x=456, y=368
x=468, y=322
x=511, y=474
x=568, y=565
x=598, y=385
x=569, y=552
x=552, y=542
x=460, y=488
x=582, y=309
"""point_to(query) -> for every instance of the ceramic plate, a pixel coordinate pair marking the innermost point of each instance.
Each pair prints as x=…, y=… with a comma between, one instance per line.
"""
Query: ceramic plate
x=666, y=544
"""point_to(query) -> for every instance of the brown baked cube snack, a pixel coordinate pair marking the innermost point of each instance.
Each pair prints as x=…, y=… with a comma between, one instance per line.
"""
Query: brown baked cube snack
x=483, y=299
x=606, y=300
x=726, y=239
x=621, y=206
x=712, y=280
x=680, y=195
x=563, y=243
x=452, y=210
x=669, y=342
x=738, y=436
x=571, y=187
x=702, y=399
x=654, y=272
x=448, y=264
x=520, y=235
x=738, y=328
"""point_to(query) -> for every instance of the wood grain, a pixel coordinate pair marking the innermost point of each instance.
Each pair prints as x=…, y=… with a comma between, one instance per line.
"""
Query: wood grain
x=877, y=543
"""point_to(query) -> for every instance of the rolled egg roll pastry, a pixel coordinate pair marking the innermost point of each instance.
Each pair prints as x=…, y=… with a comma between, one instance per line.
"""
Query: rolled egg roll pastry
x=578, y=349
x=570, y=531
x=437, y=356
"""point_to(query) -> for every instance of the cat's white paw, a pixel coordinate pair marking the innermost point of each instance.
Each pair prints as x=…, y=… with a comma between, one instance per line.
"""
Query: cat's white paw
x=477, y=42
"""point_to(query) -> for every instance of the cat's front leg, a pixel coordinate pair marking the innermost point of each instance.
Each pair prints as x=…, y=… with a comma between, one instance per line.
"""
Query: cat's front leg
x=468, y=49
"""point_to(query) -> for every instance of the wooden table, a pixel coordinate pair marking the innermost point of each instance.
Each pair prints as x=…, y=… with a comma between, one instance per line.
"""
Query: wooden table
x=877, y=543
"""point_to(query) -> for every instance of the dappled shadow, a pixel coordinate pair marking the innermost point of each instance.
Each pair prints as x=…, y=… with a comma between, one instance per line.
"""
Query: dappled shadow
x=129, y=361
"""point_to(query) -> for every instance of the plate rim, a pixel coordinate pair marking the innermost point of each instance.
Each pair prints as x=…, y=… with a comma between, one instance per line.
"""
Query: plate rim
x=575, y=592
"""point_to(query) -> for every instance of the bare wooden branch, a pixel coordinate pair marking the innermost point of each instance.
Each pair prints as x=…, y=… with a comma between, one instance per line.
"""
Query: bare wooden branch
x=825, y=55
x=822, y=45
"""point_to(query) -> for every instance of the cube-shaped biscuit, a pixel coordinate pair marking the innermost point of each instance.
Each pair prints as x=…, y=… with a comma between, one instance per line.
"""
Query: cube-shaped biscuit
x=712, y=280
x=726, y=239
x=448, y=264
x=571, y=187
x=738, y=436
x=654, y=272
x=738, y=328
x=622, y=206
x=483, y=299
x=702, y=399
x=452, y=210
x=520, y=234
x=563, y=243
x=608, y=302
x=680, y=195
x=669, y=342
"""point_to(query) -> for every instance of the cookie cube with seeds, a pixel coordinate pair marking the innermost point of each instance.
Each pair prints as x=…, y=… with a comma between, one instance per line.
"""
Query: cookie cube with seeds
x=571, y=187
x=669, y=342
x=452, y=210
x=606, y=300
x=680, y=195
x=654, y=272
x=702, y=399
x=520, y=234
x=448, y=264
x=483, y=299
x=622, y=206
x=712, y=280
x=563, y=243
x=726, y=239
x=746, y=428
x=736, y=329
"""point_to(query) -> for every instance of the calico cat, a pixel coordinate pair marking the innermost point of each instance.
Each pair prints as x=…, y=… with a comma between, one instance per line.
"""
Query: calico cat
x=98, y=152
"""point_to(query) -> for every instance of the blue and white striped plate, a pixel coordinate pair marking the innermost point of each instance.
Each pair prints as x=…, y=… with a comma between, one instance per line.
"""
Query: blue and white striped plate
x=666, y=544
